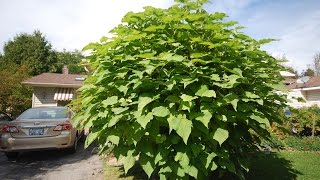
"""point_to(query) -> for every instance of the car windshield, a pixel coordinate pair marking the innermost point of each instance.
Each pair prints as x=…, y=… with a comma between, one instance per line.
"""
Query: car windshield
x=45, y=113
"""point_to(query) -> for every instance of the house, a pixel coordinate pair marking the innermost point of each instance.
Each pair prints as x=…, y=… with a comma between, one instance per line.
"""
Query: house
x=289, y=78
x=309, y=91
x=53, y=89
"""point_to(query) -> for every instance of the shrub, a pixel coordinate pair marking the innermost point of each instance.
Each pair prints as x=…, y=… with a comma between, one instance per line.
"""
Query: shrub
x=302, y=143
x=302, y=120
x=181, y=90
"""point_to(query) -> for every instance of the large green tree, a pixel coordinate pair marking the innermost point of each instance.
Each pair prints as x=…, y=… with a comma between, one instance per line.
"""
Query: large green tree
x=72, y=59
x=181, y=90
x=14, y=97
x=308, y=72
x=31, y=50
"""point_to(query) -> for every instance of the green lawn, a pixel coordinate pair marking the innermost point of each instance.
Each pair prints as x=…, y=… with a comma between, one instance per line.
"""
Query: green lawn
x=275, y=166
x=286, y=165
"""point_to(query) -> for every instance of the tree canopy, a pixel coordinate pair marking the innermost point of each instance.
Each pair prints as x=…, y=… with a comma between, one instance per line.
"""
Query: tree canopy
x=31, y=50
x=71, y=59
x=182, y=90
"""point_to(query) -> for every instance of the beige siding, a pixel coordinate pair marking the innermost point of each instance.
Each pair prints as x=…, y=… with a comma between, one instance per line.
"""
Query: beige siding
x=312, y=97
x=292, y=98
x=43, y=96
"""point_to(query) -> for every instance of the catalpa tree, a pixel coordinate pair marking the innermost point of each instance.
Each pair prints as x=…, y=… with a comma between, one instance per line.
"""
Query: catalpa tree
x=180, y=91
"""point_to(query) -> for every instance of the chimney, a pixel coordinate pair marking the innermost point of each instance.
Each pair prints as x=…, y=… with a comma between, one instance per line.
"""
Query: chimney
x=65, y=70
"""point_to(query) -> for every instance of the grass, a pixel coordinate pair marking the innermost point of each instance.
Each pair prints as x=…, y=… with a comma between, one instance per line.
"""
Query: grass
x=283, y=165
x=286, y=165
x=117, y=173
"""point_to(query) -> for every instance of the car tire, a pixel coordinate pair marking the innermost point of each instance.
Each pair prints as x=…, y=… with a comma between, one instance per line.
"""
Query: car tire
x=74, y=147
x=11, y=155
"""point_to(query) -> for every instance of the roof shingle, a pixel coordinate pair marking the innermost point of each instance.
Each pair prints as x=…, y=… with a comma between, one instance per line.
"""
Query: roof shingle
x=55, y=80
x=313, y=82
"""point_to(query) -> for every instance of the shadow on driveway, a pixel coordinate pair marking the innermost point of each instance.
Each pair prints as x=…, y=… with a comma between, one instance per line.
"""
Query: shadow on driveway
x=36, y=164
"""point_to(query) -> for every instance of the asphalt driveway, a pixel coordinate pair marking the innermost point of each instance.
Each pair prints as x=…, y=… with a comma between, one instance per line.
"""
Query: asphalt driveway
x=85, y=164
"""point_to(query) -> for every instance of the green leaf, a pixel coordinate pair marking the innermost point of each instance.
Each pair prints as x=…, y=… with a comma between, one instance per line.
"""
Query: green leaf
x=160, y=111
x=205, y=92
x=260, y=120
x=90, y=138
x=185, y=97
x=192, y=171
x=188, y=81
x=221, y=135
x=196, y=149
x=129, y=161
x=233, y=99
x=251, y=95
x=160, y=139
x=181, y=125
x=215, y=77
x=198, y=55
x=186, y=105
x=183, y=159
x=143, y=120
x=205, y=117
x=265, y=41
x=234, y=104
x=113, y=121
x=123, y=89
x=119, y=110
x=173, y=98
x=214, y=166
x=210, y=158
x=165, y=169
x=110, y=101
x=114, y=139
x=146, y=55
x=143, y=101
x=171, y=57
x=146, y=164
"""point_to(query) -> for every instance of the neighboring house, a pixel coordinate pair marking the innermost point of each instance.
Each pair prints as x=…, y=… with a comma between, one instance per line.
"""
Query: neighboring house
x=289, y=78
x=52, y=89
x=308, y=91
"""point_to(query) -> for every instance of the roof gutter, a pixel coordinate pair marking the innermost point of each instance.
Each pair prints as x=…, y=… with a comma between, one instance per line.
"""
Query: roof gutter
x=51, y=85
x=310, y=88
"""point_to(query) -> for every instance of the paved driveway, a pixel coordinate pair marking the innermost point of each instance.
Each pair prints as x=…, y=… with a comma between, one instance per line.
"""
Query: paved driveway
x=52, y=165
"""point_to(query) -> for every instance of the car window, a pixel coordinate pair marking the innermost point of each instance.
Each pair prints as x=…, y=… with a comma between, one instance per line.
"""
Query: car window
x=45, y=113
x=4, y=117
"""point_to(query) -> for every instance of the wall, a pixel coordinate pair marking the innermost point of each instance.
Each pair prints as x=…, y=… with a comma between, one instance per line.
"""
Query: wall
x=43, y=96
x=312, y=97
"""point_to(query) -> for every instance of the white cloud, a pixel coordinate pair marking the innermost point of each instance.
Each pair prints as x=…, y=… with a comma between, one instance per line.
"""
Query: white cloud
x=231, y=7
x=300, y=41
x=72, y=24
x=68, y=24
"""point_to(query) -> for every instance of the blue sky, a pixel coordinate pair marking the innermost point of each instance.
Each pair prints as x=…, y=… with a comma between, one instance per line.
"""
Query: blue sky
x=72, y=24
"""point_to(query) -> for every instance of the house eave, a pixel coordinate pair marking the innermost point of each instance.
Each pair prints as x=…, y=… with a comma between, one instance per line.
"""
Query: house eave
x=51, y=85
x=309, y=88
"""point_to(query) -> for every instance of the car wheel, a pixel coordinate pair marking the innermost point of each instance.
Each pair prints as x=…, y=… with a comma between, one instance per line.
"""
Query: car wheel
x=11, y=155
x=74, y=147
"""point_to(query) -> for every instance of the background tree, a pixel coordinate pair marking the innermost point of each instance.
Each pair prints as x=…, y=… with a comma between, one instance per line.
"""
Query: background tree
x=308, y=72
x=72, y=59
x=181, y=90
x=31, y=50
x=14, y=97
x=316, y=63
